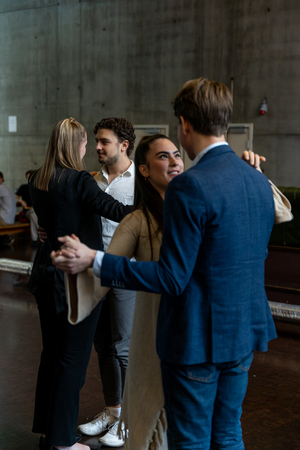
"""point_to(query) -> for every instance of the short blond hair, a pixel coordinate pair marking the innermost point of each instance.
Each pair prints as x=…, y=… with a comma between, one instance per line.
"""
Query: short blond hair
x=63, y=151
x=206, y=104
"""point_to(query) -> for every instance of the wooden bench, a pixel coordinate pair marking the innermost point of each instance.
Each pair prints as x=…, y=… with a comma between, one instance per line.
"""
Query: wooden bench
x=17, y=227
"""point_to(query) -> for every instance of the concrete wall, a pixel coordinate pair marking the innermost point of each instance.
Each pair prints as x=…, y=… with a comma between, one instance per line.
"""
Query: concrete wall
x=98, y=58
x=258, y=43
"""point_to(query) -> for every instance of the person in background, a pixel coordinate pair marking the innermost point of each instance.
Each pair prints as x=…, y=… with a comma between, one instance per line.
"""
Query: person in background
x=24, y=200
x=7, y=208
x=114, y=144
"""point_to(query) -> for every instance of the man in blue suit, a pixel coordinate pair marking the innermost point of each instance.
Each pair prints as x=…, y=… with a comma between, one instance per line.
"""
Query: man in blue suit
x=218, y=216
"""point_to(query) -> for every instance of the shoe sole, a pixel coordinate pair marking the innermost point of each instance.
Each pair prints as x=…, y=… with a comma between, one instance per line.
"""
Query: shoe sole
x=89, y=434
x=111, y=445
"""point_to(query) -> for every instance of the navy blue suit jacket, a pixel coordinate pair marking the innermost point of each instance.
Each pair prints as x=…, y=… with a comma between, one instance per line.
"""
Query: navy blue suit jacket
x=218, y=216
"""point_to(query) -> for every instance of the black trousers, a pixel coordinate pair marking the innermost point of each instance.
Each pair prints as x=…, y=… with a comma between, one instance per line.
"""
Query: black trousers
x=64, y=359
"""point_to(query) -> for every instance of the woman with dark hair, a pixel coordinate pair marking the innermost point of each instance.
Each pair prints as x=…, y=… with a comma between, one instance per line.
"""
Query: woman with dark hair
x=66, y=199
x=157, y=162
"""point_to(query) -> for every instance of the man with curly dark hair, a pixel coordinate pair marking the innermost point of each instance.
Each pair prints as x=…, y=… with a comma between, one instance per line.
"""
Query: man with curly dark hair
x=122, y=129
x=115, y=139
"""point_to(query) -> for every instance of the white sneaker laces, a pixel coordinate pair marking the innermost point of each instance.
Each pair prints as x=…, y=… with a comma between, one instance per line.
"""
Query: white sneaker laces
x=101, y=416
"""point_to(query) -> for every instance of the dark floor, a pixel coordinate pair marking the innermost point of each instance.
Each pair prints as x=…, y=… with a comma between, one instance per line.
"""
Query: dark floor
x=271, y=409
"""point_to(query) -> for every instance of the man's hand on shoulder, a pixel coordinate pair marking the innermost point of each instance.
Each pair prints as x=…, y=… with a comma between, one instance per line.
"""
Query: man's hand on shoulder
x=73, y=256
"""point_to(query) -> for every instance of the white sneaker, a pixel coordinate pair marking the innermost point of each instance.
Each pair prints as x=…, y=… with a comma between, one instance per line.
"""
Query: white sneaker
x=111, y=438
x=100, y=423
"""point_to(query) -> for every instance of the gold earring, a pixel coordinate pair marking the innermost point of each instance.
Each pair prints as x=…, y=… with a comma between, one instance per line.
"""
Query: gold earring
x=147, y=179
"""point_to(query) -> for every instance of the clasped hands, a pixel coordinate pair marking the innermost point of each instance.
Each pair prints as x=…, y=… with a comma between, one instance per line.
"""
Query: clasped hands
x=73, y=256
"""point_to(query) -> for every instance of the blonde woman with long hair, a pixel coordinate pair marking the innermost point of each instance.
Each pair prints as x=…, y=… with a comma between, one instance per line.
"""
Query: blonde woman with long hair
x=66, y=200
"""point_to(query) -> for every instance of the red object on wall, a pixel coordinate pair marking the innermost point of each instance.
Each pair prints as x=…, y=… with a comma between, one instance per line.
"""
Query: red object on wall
x=263, y=107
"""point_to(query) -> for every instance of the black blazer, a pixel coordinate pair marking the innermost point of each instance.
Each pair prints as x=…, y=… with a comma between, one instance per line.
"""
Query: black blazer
x=73, y=204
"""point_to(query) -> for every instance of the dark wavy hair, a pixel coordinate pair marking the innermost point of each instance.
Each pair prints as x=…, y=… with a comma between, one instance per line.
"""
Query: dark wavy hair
x=122, y=128
x=146, y=197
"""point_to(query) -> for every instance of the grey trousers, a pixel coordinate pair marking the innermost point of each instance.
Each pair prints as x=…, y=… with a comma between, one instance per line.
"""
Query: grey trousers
x=112, y=339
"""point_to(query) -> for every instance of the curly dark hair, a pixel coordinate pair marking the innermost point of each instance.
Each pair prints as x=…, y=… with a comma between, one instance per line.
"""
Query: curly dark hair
x=122, y=128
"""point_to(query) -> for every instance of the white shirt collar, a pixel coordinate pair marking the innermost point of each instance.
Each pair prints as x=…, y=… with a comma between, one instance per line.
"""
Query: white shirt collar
x=130, y=170
x=207, y=149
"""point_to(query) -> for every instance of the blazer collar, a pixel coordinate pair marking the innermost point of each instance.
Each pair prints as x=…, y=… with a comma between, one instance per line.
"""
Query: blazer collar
x=219, y=150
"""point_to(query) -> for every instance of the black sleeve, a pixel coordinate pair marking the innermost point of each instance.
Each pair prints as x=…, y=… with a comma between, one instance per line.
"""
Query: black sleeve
x=102, y=204
x=19, y=191
x=23, y=192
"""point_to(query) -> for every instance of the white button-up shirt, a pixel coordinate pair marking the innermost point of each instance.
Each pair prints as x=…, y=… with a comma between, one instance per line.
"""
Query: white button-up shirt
x=122, y=189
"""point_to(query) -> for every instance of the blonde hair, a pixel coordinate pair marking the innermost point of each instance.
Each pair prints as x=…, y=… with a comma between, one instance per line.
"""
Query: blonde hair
x=63, y=151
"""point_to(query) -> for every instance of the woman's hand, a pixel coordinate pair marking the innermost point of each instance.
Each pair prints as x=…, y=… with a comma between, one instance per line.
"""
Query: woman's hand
x=73, y=256
x=253, y=159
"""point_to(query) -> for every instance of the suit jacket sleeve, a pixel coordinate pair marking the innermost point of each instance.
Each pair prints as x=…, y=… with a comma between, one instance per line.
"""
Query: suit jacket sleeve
x=183, y=221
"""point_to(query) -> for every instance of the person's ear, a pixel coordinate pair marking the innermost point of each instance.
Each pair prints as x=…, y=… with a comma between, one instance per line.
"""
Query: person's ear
x=185, y=125
x=144, y=170
x=124, y=146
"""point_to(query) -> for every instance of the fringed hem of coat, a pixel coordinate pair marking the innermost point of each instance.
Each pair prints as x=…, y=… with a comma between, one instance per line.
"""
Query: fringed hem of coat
x=158, y=433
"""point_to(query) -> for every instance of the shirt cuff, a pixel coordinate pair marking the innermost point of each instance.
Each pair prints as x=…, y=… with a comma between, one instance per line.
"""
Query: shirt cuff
x=98, y=263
